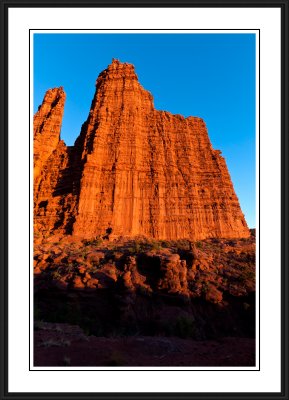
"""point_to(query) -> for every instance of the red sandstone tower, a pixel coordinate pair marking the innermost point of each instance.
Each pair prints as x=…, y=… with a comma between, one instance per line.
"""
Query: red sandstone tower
x=132, y=171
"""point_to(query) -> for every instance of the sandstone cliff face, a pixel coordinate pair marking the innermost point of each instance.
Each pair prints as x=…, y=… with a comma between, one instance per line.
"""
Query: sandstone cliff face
x=133, y=170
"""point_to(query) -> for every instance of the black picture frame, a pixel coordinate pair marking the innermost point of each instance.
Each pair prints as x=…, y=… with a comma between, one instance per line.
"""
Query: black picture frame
x=4, y=226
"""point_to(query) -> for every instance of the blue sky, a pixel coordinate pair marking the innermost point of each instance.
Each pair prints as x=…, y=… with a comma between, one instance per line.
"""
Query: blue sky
x=211, y=76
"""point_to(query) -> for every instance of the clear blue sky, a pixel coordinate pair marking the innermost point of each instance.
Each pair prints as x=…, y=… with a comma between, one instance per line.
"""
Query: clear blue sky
x=211, y=76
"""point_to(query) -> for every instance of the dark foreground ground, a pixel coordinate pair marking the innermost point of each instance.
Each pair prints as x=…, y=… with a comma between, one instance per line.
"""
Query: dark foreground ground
x=144, y=303
x=66, y=345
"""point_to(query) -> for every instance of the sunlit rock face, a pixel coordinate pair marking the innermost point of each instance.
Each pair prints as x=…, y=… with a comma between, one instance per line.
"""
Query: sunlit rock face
x=133, y=170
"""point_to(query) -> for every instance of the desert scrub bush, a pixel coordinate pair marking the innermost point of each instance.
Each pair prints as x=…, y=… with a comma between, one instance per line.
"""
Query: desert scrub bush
x=93, y=269
x=185, y=327
x=199, y=245
x=247, y=276
x=70, y=268
x=246, y=306
x=140, y=246
x=155, y=245
x=166, y=244
x=56, y=275
x=93, y=242
x=183, y=244
x=205, y=288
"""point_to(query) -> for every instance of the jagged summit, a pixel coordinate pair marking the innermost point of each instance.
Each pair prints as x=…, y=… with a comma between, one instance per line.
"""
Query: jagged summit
x=133, y=170
x=118, y=86
x=117, y=70
x=53, y=101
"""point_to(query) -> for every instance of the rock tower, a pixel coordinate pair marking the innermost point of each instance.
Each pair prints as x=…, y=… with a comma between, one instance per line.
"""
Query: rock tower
x=132, y=171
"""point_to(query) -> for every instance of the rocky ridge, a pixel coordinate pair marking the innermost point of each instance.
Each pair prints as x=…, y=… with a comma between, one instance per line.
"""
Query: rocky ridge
x=199, y=290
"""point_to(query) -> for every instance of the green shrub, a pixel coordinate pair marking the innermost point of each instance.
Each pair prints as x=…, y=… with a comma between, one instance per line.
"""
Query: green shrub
x=137, y=247
x=185, y=327
x=56, y=275
x=93, y=242
x=183, y=244
x=155, y=245
x=166, y=244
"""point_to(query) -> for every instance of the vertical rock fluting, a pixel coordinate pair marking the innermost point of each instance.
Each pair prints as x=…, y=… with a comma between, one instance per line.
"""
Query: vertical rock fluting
x=139, y=171
x=51, y=162
x=47, y=126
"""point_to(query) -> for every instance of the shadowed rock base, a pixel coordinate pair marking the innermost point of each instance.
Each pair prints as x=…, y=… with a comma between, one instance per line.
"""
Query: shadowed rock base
x=144, y=302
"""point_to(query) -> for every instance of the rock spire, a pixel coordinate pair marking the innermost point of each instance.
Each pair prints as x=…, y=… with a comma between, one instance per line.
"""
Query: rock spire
x=133, y=170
